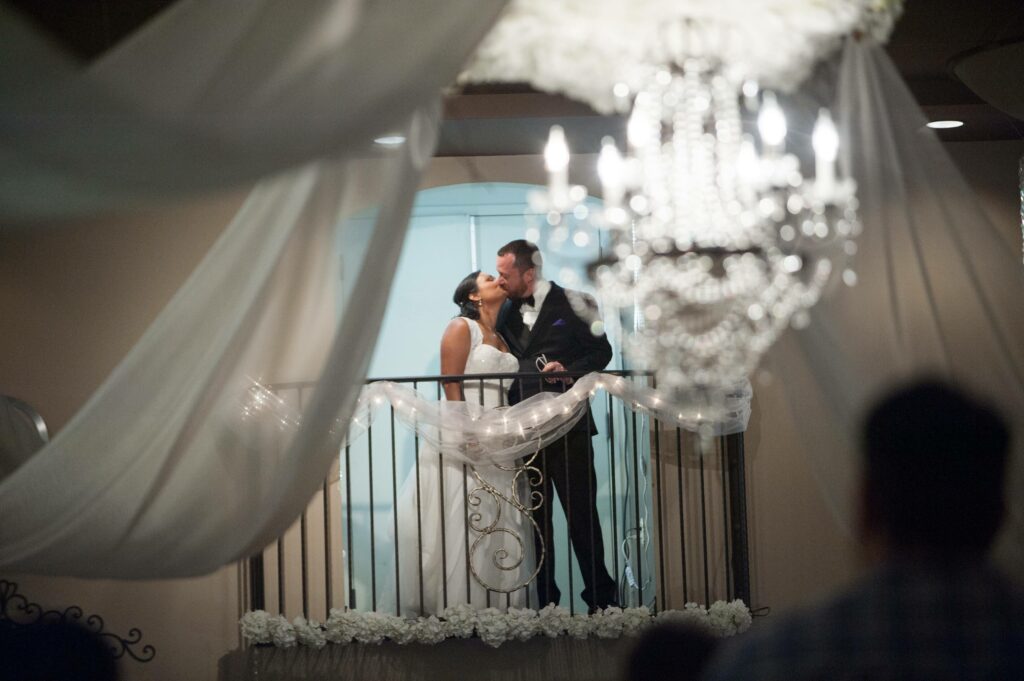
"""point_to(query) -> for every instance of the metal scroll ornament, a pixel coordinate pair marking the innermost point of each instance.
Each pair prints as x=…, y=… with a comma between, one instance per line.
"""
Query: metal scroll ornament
x=16, y=611
x=502, y=558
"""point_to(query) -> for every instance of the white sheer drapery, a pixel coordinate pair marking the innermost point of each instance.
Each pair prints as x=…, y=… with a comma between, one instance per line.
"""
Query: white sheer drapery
x=216, y=94
x=940, y=292
x=473, y=434
x=154, y=477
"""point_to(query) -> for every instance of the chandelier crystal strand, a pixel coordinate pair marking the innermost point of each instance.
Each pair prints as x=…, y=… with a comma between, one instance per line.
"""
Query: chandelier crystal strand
x=718, y=245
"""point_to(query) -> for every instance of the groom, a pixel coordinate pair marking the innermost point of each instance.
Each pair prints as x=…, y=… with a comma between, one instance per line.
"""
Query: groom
x=544, y=334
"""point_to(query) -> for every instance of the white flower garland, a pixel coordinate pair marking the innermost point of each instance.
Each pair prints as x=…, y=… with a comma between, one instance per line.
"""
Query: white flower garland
x=491, y=626
x=583, y=48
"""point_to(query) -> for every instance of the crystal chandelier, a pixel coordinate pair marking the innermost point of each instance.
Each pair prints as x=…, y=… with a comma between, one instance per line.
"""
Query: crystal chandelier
x=719, y=242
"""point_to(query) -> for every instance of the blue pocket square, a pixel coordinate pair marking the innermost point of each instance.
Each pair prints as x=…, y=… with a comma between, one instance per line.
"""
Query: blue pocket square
x=559, y=322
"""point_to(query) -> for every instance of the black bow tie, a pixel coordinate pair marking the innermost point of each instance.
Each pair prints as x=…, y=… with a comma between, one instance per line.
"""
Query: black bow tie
x=528, y=300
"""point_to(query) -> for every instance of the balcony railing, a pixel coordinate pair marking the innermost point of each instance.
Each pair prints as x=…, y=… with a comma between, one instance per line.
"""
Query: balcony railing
x=671, y=506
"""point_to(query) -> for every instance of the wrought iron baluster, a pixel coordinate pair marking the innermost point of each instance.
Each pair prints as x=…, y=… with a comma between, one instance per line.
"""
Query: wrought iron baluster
x=419, y=510
x=638, y=575
x=592, y=503
x=328, y=571
x=465, y=530
x=303, y=547
x=614, y=494
x=740, y=568
x=348, y=519
x=526, y=587
x=257, y=598
x=394, y=516
x=442, y=511
x=465, y=488
x=682, y=512
x=302, y=564
x=547, y=490
x=720, y=444
x=280, y=575
x=704, y=519
x=659, y=491
x=567, y=505
x=373, y=523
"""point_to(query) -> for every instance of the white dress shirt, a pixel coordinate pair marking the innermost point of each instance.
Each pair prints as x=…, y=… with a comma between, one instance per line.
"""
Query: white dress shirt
x=530, y=312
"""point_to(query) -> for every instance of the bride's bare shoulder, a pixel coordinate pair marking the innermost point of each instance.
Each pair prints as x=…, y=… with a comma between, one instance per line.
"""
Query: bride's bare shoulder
x=457, y=331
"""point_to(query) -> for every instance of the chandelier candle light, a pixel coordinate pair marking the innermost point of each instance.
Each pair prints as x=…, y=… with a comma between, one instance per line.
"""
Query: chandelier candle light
x=719, y=242
x=718, y=238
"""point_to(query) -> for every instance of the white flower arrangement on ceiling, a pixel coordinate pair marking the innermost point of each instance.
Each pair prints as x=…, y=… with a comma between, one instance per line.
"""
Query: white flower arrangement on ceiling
x=584, y=48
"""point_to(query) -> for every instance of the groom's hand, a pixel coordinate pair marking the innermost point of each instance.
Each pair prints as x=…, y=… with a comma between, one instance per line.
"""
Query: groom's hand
x=556, y=366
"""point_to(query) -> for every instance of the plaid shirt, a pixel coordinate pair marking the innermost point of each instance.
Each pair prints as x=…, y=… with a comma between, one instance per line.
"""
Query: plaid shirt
x=907, y=622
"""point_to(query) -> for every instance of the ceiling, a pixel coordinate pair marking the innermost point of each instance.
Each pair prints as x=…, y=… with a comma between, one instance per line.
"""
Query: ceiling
x=513, y=119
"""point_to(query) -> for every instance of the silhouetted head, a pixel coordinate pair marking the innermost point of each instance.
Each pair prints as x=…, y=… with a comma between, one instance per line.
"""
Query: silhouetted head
x=54, y=650
x=670, y=650
x=934, y=470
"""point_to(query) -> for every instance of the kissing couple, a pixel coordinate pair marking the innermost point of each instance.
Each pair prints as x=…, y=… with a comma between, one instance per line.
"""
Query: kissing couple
x=515, y=322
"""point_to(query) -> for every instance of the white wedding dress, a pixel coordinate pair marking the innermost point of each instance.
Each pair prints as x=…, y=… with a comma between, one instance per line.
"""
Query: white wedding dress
x=434, y=535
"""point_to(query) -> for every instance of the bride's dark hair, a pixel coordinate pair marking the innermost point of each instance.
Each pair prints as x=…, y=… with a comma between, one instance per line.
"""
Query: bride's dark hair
x=467, y=287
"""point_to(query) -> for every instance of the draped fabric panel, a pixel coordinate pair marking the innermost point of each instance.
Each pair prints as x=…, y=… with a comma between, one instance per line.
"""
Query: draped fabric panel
x=940, y=290
x=161, y=473
x=210, y=95
x=473, y=434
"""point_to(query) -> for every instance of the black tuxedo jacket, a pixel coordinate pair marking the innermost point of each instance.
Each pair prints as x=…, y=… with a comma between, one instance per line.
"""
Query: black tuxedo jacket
x=560, y=336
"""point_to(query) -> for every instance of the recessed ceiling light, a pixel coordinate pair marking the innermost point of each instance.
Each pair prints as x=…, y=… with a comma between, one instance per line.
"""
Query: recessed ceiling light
x=390, y=140
x=943, y=125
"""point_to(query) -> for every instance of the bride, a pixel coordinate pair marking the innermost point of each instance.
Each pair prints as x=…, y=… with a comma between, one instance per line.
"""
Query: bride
x=466, y=534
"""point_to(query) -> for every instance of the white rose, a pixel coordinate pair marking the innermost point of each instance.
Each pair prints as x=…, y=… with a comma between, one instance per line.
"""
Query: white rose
x=429, y=630
x=309, y=633
x=691, y=614
x=459, y=621
x=727, y=619
x=523, y=624
x=579, y=626
x=492, y=627
x=256, y=626
x=369, y=627
x=553, y=620
x=399, y=629
x=340, y=626
x=282, y=634
x=635, y=620
x=608, y=623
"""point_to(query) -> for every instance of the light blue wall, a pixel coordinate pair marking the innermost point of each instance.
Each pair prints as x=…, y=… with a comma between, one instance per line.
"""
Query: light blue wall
x=439, y=251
